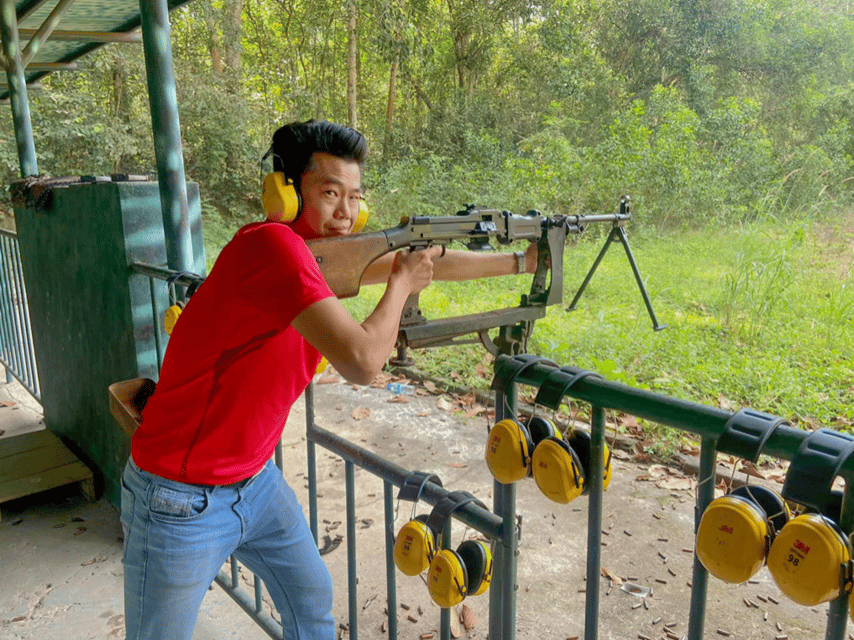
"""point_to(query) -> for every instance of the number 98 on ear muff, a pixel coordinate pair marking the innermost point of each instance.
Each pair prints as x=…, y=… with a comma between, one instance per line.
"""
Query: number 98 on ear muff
x=810, y=560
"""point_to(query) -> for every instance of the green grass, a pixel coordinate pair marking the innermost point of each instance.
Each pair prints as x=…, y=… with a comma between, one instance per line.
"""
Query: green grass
x=759, y=316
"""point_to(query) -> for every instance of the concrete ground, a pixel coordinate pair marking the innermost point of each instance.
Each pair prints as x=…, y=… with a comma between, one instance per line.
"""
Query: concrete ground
x=60, y=556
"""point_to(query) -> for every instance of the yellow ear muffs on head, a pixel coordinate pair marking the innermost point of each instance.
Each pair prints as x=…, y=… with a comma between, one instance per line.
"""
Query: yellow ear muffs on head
x=362, y=218
x=280, y=199
x=810, y=559
x=414, y=546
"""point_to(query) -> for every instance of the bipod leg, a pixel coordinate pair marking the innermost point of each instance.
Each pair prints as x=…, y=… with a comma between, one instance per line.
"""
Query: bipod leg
x=624, y=240
x=590, y=273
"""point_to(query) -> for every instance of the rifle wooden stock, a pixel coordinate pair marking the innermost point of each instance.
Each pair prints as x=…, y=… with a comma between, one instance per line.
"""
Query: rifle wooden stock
x=343, y=260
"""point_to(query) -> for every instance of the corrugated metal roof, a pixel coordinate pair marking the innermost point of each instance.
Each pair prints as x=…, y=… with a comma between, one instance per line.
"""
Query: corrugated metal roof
x=82, y=26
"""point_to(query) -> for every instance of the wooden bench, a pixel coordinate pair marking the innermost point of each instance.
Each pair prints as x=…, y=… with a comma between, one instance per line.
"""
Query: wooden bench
x=35, y=462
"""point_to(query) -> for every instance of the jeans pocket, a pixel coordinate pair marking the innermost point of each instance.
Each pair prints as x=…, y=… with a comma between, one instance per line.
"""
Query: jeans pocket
x=172, y=504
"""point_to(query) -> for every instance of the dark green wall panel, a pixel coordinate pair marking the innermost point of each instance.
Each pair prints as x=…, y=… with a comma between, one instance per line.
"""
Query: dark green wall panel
x=91, y=315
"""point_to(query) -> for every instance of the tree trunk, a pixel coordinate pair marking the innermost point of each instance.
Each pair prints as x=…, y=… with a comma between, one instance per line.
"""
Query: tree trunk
x=214, y=44
x=389, y=113
x=232, y=31
x=352, y=60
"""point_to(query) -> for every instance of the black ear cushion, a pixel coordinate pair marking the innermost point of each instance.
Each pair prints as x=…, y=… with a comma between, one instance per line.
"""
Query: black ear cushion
x=580, y=443
x=473, y=557
x=466, y=574
x=422, y=517
x=770, y=502
x=540, y=429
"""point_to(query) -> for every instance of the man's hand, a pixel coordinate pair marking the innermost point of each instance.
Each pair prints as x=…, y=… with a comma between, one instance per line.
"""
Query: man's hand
x=415, y=267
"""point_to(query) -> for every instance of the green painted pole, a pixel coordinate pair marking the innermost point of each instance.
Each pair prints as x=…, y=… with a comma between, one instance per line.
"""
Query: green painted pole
x=700, y=579
x=594, y=522
x=18, y=90
x=163, y=102
x=837, y=612
x=502, y=598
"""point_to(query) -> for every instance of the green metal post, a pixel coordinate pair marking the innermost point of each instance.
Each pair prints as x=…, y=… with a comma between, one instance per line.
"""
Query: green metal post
x=705, y=494
x=350, y=490
x=390, y=579
x=162, y=97
x=594, y=522
x=18, y=90
x=837, y=611
x=502, y=598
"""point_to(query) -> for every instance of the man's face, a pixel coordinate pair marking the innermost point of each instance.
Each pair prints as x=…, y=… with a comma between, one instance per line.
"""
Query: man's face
x=331, y=190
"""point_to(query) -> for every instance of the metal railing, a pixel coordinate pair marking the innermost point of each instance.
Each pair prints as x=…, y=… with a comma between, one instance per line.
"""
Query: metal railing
x=16, y=336
x=713, y=426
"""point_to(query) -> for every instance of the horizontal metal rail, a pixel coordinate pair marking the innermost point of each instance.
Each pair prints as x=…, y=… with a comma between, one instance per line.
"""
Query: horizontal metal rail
x=17, y=352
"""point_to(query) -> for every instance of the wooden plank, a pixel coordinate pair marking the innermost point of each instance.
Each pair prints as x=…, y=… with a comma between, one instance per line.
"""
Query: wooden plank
x=56, y=477
x=35, y=462
x=14, y=445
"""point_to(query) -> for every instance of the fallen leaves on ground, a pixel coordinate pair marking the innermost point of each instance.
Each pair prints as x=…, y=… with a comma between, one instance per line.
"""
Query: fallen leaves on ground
x=360, y=413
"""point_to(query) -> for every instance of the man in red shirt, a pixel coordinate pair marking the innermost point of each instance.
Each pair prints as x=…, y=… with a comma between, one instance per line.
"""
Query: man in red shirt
x=200, y=485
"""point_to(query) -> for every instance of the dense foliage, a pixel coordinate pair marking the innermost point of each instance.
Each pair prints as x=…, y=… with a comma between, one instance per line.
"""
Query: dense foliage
x=708, y=110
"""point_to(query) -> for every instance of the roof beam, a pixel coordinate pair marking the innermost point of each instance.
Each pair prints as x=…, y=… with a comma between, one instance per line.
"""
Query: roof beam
x=89, y=36
x=44, y=31
x=52, y=66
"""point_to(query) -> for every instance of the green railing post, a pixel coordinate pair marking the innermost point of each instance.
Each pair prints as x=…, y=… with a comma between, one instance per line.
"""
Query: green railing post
x=700, y=578
x=163, y=102
x=18, y=90
x=502, y=599
x=594, y=522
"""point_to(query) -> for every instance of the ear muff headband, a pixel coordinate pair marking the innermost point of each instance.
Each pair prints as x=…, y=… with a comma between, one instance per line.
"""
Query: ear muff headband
x=810, y=559
x=733, y=538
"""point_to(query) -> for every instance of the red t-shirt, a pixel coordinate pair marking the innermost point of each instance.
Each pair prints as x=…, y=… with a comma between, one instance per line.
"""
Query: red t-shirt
x=234, y=366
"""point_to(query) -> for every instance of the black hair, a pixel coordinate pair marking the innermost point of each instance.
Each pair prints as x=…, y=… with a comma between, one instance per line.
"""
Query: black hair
x=294, y=143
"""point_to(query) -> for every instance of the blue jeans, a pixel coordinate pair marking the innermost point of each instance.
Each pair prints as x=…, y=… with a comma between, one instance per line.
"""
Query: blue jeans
x=177, y=537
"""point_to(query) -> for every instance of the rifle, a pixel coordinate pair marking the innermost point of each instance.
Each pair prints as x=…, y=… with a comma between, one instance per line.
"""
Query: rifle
x=343, y=260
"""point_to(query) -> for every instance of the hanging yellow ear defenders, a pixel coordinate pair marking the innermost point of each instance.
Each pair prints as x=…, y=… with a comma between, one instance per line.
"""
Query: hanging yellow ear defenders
x=561, y=466
x=508, y=451
x=810, y=559
x=736, y=531
x=509, y=447
x=414, y=546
